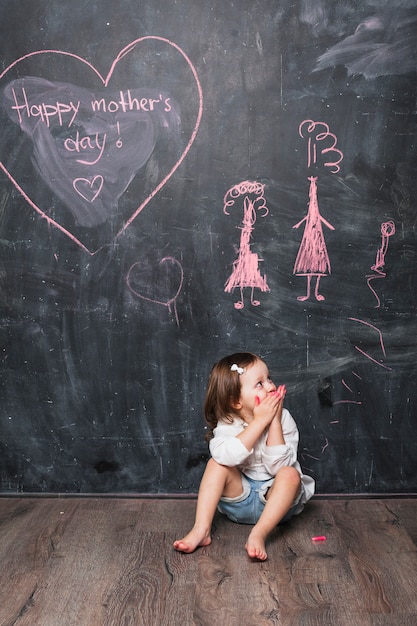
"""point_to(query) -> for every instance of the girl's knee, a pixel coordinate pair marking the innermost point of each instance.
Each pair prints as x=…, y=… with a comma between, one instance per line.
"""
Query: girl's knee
x=290, y=475
x=229, y=478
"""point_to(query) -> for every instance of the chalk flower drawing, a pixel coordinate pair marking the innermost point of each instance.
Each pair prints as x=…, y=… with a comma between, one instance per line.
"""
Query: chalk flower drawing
x=246, y=273
x=312, y=258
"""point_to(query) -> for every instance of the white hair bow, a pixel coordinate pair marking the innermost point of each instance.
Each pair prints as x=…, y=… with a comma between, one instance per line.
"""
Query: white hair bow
x=236, y=368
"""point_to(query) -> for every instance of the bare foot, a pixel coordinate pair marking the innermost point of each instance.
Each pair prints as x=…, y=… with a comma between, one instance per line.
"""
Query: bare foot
x=255, y=547
x=194, y=539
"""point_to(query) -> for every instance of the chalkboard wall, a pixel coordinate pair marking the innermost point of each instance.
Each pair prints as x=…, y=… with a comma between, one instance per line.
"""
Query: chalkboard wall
x=181, y=180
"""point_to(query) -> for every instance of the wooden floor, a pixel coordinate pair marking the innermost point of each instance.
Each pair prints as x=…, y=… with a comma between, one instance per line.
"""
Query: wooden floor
x=109, y=561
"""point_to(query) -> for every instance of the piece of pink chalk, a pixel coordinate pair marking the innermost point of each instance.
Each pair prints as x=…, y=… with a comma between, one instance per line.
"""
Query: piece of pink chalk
x=319, y=538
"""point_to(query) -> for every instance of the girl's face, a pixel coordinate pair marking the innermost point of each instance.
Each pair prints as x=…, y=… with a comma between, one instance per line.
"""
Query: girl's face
x=254, y=383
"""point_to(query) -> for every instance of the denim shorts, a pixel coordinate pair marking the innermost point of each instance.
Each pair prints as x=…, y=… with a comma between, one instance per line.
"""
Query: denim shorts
x=247, y=508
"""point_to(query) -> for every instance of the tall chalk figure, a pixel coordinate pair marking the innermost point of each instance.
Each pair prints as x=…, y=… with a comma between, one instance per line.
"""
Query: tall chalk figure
x=246, y=273
x=312, y=259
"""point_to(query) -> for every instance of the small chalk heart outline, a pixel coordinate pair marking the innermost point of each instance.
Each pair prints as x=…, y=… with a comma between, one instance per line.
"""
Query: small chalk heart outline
x=163, y=261
x=170, y=303
x=81, y=184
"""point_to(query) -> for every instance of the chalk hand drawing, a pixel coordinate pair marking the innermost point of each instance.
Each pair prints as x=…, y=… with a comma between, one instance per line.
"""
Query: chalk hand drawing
x=88, y=144
x=160, y=284
x=246, y=273
x=387, y=230
x=312, y=258
x=320, y=141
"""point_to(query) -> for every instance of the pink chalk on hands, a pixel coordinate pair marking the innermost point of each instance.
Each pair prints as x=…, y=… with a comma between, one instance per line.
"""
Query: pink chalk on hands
x=319, y=538
x=280, y=392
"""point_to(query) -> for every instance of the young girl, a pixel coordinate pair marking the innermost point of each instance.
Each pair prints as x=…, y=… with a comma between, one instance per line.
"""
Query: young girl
x=253, y=476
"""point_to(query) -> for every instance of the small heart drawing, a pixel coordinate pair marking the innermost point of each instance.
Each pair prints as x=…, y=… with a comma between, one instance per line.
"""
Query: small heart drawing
x=160, y=284
x=89, y=141
x=88, y=189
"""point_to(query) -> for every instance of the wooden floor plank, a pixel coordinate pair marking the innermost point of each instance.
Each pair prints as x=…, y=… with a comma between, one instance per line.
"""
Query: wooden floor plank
x=388, y=581
x=406, y=512
x=110, y=562
x=29, y=532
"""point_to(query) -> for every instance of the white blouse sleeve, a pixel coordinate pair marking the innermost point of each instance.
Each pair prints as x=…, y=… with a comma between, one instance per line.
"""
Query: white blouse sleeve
x=226, y=448
x=275, y=457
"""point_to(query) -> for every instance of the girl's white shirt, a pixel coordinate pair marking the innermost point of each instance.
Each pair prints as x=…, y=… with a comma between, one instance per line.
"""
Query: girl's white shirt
x=262, y=462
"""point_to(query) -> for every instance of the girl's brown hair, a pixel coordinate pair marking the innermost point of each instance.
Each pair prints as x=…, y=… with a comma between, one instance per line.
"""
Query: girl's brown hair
x=223, y=389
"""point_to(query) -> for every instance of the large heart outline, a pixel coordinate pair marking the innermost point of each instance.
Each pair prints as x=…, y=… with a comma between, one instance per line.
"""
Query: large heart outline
x=105, y=81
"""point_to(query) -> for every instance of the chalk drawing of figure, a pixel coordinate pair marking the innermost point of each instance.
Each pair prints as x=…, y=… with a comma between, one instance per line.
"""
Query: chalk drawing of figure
x=246, y=273
x=387, y=230
x=312, y=258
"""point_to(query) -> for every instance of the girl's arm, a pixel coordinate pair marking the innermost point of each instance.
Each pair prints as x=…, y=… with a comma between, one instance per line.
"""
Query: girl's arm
x=263, y=416
x=233, y=443
x=300, y=222
x=276, y=456
x=275, y=434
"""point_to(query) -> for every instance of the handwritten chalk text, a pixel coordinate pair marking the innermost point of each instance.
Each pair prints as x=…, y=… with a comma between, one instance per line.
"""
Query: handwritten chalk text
x=44, y=111
x=129, y=103
x=64, y=113
x=80, y=144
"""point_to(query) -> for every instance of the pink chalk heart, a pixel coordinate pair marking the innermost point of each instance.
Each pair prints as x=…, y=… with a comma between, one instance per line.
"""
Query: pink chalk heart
x=104, y=145
x=160, y=284
x=88, y=189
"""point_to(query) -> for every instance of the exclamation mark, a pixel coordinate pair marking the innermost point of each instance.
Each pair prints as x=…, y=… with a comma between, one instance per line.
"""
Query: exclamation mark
x=119, y=142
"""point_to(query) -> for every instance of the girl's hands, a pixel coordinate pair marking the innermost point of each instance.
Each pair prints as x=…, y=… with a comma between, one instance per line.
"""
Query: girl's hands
x=266, y=414
x=280, y=392
x=271, y=406
x=275, y=434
